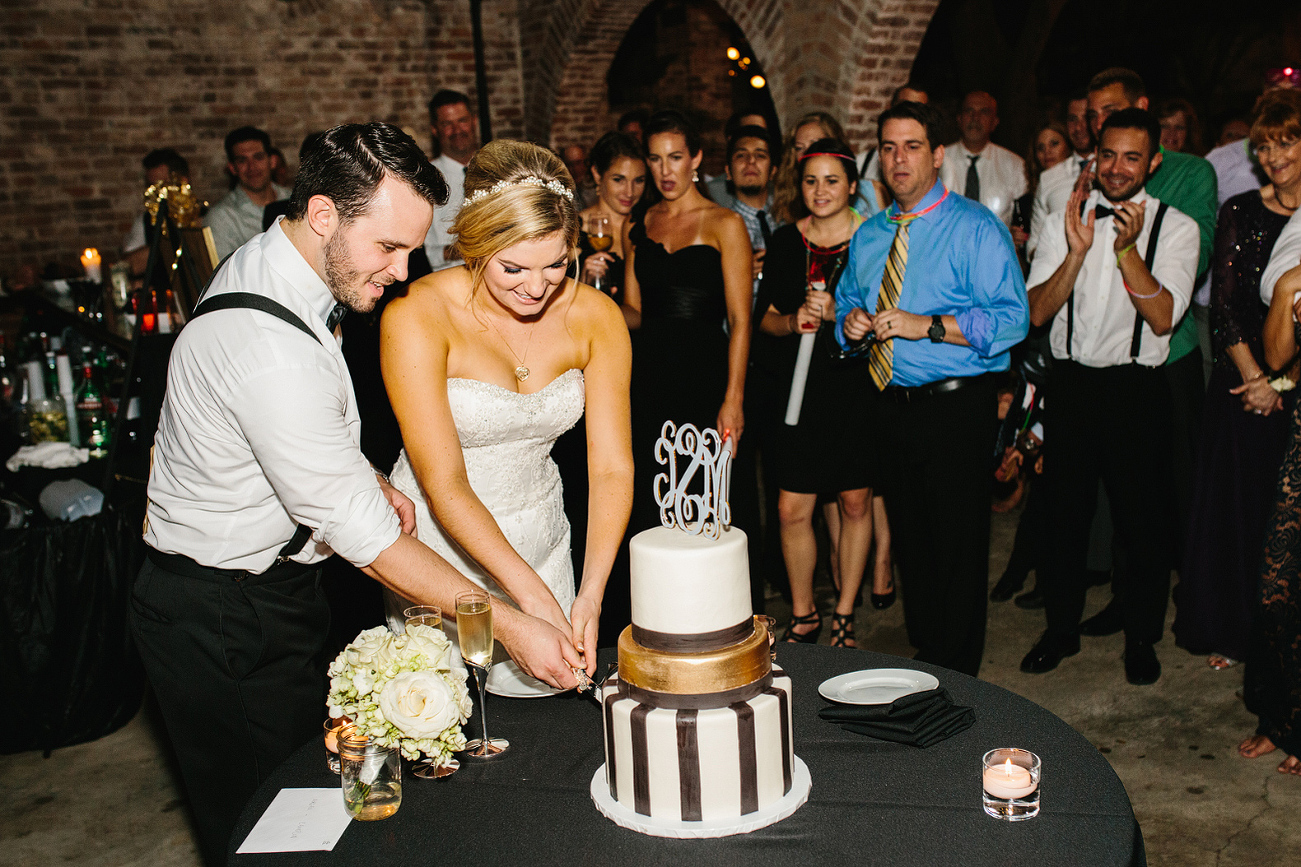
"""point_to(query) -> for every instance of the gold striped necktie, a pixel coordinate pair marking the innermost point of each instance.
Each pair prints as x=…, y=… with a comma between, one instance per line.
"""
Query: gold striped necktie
x=880, y=357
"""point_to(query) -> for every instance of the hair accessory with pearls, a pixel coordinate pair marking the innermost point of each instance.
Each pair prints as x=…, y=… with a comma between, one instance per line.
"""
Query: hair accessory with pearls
x=531, y=181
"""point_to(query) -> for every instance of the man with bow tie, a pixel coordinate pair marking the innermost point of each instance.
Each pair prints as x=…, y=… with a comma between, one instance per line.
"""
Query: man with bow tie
x=1114, y=273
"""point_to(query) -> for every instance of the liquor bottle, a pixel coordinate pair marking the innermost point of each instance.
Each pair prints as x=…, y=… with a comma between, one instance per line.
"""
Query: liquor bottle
x=47, y=419
x=165, y=311
x=93, y=420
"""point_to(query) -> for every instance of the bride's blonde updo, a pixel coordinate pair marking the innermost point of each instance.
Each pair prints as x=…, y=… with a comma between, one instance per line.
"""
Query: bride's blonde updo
x=514, y=191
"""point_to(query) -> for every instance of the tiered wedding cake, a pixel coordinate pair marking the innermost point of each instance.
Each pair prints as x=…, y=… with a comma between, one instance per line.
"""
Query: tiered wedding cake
x=698, y=719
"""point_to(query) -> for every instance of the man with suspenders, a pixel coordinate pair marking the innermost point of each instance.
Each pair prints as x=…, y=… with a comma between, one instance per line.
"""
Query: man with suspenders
x=258, y=475
x=1113, y=273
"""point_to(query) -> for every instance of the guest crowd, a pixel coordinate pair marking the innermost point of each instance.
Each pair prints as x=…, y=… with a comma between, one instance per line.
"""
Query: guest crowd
x=1104, y=331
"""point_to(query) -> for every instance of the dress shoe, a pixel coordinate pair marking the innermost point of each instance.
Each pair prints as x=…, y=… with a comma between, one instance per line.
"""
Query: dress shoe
x=1030, y=601
x=1007, y=587
x=882, y=601
x=1049, y=652
x=1108, y=621
x=1141, y=664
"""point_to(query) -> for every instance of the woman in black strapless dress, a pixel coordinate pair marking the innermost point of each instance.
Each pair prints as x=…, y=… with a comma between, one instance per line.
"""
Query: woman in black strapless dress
x=687, y=298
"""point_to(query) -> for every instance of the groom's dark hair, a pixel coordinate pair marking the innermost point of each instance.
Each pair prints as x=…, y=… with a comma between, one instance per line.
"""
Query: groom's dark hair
x=347, y=164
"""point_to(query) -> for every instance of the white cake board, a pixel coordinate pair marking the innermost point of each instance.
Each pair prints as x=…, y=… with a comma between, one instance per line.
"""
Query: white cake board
x=801, y=783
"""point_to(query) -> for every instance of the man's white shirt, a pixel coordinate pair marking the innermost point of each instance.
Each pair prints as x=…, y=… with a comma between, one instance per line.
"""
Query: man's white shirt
x=1104, y=316
x=1001, y=173
x=440, y=236
x=236, y=219
x=1055, y=185
x=259, y=430
x=1286, y=256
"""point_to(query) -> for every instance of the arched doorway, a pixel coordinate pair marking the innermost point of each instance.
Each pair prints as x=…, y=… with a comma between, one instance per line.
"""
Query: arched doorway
x=845, y=59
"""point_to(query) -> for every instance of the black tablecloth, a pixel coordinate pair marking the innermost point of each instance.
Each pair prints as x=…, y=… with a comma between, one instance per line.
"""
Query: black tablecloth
x=872, y=802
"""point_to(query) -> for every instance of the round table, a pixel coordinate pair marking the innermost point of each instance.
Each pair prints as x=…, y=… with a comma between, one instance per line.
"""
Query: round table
x=872, y=801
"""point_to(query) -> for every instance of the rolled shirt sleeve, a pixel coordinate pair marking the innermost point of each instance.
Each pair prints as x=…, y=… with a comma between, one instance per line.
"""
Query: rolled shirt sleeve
x=999, y=317
x=295, y=424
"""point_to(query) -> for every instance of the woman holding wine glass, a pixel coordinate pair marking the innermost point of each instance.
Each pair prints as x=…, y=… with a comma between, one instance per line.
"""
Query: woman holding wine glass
x=618, y=166
x=825, y=452
x=486, y=364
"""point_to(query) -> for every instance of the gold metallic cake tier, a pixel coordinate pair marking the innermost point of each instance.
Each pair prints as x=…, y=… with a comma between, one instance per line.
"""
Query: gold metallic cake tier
x=695, y=673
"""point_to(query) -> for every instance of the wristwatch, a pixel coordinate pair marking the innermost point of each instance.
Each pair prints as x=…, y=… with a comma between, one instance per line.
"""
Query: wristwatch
x=936, y=331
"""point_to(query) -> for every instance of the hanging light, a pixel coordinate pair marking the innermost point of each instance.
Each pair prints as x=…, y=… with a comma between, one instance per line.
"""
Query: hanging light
x=733, y=52
x=743, y=62
x=758, y=82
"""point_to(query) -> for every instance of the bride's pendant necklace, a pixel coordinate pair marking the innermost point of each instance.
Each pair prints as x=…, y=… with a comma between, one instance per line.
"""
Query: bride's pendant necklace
x=521, y=370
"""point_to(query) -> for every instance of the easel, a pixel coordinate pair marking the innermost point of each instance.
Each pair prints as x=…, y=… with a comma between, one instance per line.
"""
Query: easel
x=188, y=274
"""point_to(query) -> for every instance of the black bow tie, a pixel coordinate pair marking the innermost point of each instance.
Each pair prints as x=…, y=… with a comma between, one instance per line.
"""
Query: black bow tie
x=1099, y=212
x=336, y=316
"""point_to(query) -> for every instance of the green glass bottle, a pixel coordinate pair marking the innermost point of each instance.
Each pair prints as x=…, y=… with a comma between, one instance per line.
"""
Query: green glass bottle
x=93, y=419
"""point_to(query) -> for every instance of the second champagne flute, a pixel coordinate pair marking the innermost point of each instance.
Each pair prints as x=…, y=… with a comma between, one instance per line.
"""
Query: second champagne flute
x=474, y=631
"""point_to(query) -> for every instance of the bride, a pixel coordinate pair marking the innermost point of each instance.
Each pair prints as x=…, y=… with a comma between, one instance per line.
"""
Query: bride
x=488, y=363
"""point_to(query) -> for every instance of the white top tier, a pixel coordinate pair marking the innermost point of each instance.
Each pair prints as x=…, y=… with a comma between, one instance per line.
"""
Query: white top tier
x=687, y=585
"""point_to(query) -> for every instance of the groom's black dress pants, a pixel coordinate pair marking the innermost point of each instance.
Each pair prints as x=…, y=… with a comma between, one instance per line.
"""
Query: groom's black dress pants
x=236, y=668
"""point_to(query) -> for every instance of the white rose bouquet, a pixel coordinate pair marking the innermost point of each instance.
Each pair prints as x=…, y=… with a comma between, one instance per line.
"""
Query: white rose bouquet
x=400, y=690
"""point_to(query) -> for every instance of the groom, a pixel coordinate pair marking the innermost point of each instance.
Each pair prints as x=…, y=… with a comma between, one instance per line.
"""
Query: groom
x=258, y=476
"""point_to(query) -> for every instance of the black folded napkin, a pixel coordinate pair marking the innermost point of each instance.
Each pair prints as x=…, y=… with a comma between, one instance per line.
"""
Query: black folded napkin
x=919, y=720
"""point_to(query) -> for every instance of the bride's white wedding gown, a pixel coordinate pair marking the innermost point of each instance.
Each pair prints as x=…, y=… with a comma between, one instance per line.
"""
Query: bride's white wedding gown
x=506, y=439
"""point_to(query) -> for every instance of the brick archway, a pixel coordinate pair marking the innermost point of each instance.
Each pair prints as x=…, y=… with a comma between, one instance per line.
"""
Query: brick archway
x=845, y=59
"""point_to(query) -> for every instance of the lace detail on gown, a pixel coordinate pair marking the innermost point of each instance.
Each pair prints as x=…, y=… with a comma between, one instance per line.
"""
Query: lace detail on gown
x=506, y=440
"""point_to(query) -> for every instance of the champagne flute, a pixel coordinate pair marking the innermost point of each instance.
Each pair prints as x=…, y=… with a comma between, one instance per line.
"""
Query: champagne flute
x=474, y=630
x=431, y=616
x=598, y=235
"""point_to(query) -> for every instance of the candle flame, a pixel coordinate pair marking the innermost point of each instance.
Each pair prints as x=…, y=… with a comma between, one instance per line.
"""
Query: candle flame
x=1007, y=767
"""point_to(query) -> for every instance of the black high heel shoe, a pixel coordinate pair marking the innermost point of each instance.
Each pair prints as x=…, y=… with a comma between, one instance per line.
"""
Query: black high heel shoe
x=882, y=601
x=790, y=636
x=842, y=631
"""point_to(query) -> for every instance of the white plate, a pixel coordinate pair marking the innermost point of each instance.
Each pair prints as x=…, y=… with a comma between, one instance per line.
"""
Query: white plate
x=876, y=685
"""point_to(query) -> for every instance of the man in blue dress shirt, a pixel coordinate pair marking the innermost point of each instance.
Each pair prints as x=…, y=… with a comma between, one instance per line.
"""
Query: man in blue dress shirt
x=934, y=280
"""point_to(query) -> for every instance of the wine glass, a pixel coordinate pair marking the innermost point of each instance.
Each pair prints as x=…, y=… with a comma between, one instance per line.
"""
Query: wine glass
x=474, y=630
x=432, y=616
x=598, y=235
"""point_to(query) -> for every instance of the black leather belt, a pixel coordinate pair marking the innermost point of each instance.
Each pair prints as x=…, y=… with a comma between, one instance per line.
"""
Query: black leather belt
x=189, y=568
x=911, y=393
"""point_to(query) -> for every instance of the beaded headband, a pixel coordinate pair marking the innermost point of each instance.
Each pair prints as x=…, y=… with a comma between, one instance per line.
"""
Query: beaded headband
x=531, y=181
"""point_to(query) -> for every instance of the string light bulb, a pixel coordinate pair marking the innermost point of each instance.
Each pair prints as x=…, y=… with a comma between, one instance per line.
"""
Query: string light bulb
x=733, y=52
x=758, y=82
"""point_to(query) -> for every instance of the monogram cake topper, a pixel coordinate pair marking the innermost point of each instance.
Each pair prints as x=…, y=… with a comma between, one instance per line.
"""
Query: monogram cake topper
x=709, y=454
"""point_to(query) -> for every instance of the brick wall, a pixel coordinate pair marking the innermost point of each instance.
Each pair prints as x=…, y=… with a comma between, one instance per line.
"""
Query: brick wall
x=88, y=86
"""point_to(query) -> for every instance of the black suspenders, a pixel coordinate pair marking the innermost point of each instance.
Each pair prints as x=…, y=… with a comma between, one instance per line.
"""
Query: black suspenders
x=251, y=301
x=1150, y=259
